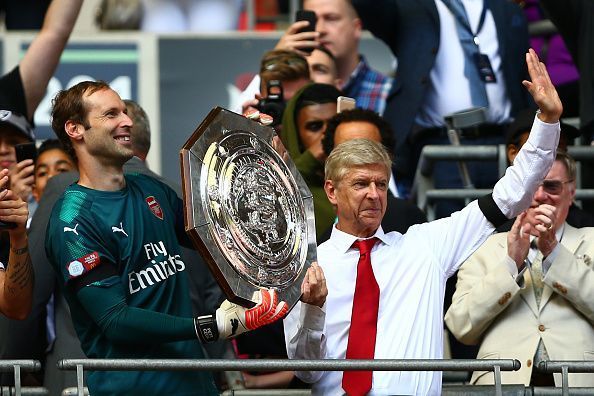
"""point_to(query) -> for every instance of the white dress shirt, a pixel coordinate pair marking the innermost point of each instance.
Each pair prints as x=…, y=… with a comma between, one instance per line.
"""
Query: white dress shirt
x=450, y=90
x=411, y=271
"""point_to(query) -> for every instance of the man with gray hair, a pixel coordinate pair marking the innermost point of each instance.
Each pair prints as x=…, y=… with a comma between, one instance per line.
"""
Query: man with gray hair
x=395, y=309
x=532, y=285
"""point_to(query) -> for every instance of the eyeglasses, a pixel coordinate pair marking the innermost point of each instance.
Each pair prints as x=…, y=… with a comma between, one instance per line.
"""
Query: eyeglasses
x=554, y=187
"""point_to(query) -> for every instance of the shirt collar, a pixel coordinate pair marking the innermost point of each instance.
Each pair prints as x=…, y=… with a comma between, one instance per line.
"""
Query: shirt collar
x=361, y=67
x=344, y=241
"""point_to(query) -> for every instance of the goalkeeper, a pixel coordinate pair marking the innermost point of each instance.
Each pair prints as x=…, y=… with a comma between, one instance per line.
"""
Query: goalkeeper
x=114, y=241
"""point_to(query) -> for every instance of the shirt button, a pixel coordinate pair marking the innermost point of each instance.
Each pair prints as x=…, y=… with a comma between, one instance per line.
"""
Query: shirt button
x=541, y=327
x=529, y=363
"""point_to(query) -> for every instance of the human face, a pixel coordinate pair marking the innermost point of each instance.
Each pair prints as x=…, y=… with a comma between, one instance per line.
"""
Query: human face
x=338, y=25
x=49, y=164
x=8, y=139
x=322, y=68
x=107, y=137
x=312, y=121
x=360, y=199
x=356, y=130
x=560, y=199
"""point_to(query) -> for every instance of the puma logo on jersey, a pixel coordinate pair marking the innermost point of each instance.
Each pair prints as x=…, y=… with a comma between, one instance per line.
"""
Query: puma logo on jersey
x=115, y=229
x=68, y=229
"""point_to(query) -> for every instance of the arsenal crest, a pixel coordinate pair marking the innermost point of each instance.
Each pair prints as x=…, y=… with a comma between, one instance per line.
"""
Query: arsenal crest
x=154, y=207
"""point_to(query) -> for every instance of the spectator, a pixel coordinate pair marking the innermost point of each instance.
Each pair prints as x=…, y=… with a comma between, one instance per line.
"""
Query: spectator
x=52, y=160
x=304, y=125
x=128, y=294
x=277, y=66
x=190, y=15
x=16, y=277
x=438, y=75
x=516, y=136
x=339, y=30
x=365, y=124
x=322, y=67
x=523, y=292
x=288, y=67
x=410, y=325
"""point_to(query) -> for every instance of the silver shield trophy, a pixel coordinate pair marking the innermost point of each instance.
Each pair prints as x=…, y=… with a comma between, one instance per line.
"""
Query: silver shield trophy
x=247, y=208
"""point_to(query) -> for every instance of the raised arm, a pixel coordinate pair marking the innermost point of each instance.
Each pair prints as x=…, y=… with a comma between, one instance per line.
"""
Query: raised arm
x=42, y=57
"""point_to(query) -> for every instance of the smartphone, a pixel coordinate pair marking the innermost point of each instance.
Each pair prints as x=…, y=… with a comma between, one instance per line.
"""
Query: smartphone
x=310, y=16
x=25, y=151
x=344, y=103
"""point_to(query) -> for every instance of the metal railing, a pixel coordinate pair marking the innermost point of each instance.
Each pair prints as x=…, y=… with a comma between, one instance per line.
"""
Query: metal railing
x=423, y=189
x=17, y=366
x=564, y=367
x=496, y=366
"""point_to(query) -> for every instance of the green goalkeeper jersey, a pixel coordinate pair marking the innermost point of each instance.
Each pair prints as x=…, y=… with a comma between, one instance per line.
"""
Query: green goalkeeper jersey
x=118, y=259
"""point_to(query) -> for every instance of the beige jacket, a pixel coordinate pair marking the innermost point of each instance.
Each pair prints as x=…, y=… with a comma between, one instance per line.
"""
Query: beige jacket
x=490, y=309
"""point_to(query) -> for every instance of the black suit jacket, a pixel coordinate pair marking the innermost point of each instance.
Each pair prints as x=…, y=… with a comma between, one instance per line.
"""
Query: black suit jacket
x=411, y=29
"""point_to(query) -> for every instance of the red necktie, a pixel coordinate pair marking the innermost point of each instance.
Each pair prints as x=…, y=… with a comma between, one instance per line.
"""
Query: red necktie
x=361, y=344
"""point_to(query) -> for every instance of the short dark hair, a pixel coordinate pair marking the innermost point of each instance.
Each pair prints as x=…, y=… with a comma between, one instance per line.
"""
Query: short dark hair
x=69, y=105
x=52, y=144
x=365, y=115
x=316, y=93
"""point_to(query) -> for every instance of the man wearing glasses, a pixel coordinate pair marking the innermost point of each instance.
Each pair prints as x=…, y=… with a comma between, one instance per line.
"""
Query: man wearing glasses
x=527, y=294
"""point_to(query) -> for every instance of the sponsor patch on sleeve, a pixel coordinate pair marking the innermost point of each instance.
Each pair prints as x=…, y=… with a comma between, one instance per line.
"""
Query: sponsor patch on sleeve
x=83, y=264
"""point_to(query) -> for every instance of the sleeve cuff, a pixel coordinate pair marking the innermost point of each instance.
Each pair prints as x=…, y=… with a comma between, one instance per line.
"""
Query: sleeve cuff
x=313, y=317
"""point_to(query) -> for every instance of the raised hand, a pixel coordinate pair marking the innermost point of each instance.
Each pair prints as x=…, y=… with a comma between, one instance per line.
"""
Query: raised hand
x=313, y=288
x=292, y=40
x=542, y=89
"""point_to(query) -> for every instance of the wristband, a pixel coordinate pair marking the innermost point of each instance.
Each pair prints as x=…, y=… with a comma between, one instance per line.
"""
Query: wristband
x=206, y=328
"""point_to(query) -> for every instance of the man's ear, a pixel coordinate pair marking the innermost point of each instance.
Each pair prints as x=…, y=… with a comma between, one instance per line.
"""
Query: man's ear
x=330, y=189
x=74, y=130
x=358, y=26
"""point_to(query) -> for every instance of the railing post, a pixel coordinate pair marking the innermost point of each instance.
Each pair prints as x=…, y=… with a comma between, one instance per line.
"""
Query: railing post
x=80, y=390
x=17, y=380
x=565, y=380
x=497, y=374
